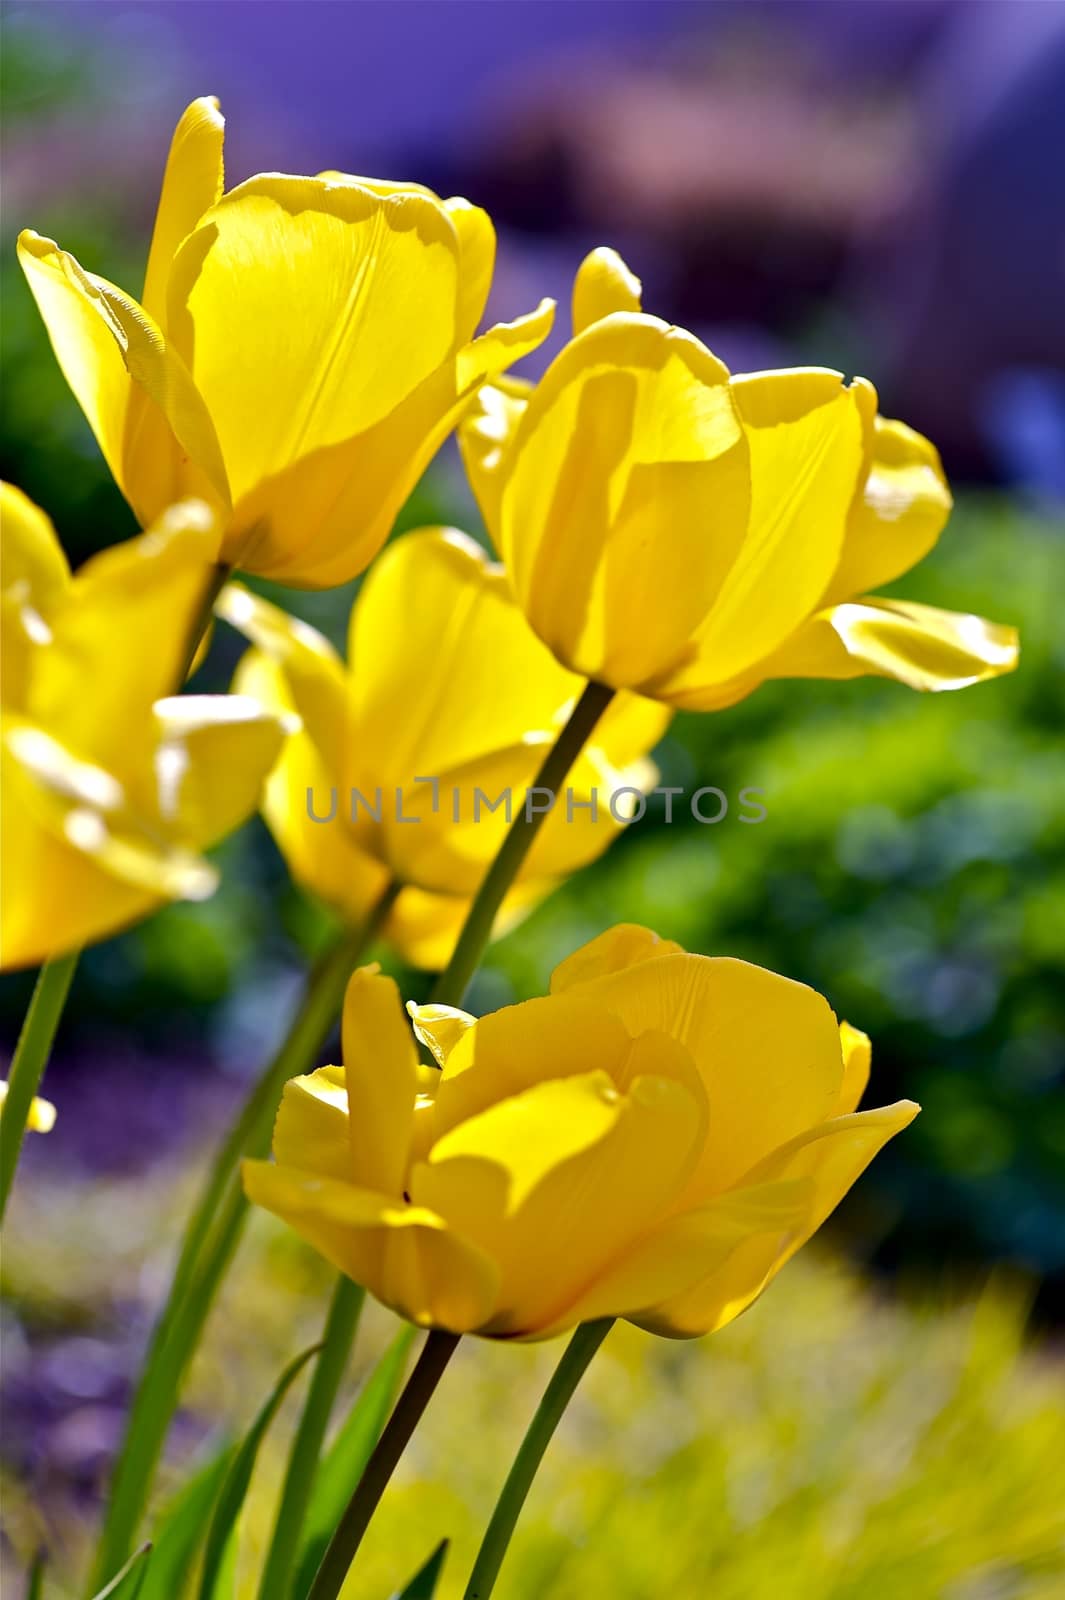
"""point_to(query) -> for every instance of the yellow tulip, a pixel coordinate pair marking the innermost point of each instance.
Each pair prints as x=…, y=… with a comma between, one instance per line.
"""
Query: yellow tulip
x=687, y=534
x=303, y=347
x=448, y=703
x=42, y=1112
x=653, y=1140
x=111, y=787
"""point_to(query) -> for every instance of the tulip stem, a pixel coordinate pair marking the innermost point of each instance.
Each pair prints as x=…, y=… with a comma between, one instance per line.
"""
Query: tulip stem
x=477, y=929
x=575, y=1360
x=216, y=582
x=210, y=1238
x=436, y=1352
x=29, y=1061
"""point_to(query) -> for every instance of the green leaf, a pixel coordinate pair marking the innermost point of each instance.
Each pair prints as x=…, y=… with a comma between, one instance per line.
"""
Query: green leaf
x=423, y=1584
x=135, y=1567
x=210, y=1240
x=181, y=1528
x=35, y=1581
x=342, y=1465
x=290, y=1517
x=233, y=1490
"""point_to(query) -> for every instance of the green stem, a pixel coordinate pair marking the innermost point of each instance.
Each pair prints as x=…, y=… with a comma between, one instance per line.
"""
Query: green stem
x=210, y=1238
x=337, y=1340
x=29, y=1061
x=578, y=1353
x=477, y=929
x=436, y=1352
x=217, y=579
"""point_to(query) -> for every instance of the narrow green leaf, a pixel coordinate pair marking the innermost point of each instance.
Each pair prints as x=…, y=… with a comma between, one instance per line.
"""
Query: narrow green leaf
x=35, y=1581
x=342, y=1465
x=212, y=1235
x=341, y=1326
x=181, y=1529
x=231, y=1496
x=118, y=1582
x=423, y=1584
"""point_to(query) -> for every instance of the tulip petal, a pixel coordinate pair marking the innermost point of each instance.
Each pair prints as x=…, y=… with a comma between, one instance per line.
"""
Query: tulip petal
x=688, y=1248
x=305, y=810
x=898, y=514
x=629, y=727
x=322, y=519
x=514, y=1049
x=830, y=1158
x=89, y=809
x=405, y=1255
x=553, y=1181
x=311, y=1129
x=768, y=1050
x=602, y=286
x=342, y=299
x=476, y=239
x=192, y=184
x=921, y=646
x=381, y=1064
x=485, y=434
x=443, y=833
x=312, y=669
x=458, y=615
x=477, y=247
x=34, y=564
x=439, y=1028
x=132, y=385
x=627, y=448
x=33, y=579
x=84, y=341
x=623, y=946
x=423, y=927
x=212, y=758
x=857, y=1060
x=78, y=863
x=803, y=431
x=506, y=342
x=144, y=593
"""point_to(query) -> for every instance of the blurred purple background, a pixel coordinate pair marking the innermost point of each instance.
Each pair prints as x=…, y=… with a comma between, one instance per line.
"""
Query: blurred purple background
x=877, y=184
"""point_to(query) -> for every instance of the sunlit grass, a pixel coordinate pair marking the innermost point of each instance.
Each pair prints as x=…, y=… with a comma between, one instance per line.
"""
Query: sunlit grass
x=838, y=1441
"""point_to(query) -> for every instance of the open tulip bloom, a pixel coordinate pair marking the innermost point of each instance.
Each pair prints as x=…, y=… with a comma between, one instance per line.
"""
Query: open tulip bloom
x=653, y=1140
x=686, y=534
x=112, y=784
x=302, y=348
x=445, y=709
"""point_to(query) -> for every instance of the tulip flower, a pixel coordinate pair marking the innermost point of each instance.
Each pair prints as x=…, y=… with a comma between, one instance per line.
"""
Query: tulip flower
x=302, y=348
x=652, y=1140
x=411, y=759
x=111, y=786
x=686, y=534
